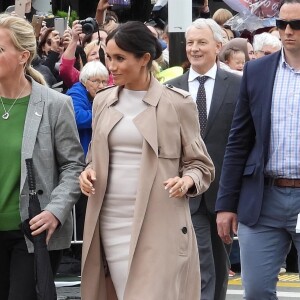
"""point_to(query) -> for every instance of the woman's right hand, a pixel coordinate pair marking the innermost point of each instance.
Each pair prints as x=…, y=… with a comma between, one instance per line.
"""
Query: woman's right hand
x=86, y=180
x=76, y=31
x=66, y=39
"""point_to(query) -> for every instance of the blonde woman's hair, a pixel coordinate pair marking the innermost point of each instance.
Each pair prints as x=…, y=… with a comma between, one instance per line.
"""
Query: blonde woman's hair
x=90, y=46
x=155, y=69
x=222, y=15
x=23, y=38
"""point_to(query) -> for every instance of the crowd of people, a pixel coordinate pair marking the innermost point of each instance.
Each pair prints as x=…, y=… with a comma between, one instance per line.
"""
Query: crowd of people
x=164, y=170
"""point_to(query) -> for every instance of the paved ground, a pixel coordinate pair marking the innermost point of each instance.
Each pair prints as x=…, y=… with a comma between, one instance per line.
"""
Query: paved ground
x=68, y=293
x=288, y=288
x=68, y=288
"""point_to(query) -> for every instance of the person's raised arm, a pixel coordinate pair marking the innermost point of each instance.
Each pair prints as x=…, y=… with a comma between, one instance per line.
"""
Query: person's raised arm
x=102, y=6
x=204, y=10
x=68, y=73
x=71, y=49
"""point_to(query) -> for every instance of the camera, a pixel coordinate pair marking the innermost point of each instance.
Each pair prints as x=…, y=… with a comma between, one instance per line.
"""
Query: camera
x=89, y=25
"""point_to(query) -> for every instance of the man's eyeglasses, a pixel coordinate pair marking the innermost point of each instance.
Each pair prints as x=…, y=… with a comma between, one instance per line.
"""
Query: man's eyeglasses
x=294, y=24
x=103, y=82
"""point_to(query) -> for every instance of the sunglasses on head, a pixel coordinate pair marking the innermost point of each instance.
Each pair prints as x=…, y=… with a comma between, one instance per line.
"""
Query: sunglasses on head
x=294, y=24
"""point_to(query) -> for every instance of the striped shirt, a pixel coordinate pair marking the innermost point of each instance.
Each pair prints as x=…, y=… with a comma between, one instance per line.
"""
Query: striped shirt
x=284, y=150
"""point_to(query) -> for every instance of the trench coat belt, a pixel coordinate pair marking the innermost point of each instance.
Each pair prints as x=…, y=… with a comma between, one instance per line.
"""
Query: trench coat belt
x=282, y=182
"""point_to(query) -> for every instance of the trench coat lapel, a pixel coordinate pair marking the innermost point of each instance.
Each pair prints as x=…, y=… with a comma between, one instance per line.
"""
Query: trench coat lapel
x=146, y=123
x=112, y=117
x=32, y=122
x=147, y=126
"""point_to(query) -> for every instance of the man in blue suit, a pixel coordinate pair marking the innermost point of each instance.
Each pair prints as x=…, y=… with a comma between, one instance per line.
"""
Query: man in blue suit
x=259, y=188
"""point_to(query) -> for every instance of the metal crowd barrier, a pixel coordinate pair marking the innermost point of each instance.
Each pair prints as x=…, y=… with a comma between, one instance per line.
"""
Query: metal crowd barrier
x=74, y=240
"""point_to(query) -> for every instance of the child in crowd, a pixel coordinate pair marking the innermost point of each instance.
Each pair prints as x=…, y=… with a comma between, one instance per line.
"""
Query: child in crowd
x=235, y=58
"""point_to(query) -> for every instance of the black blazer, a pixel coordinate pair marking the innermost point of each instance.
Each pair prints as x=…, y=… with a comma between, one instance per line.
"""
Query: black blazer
x=224, y=98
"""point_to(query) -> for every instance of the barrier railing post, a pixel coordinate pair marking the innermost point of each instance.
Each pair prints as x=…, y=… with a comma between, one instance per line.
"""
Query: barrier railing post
x=74, y=240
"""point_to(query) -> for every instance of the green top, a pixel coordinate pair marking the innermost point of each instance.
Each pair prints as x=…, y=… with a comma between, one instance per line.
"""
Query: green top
x=11, y=135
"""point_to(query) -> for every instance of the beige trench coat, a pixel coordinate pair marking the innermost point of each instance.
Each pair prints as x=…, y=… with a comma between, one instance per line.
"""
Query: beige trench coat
x=163, y=258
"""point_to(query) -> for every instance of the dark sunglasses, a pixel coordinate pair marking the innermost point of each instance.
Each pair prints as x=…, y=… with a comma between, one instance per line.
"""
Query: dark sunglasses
x=294, y=24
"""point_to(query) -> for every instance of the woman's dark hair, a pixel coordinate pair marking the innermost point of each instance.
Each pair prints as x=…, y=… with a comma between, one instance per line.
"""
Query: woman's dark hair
x=102, y=55
x=44, y=40
x=80, y=58
x=111, y=15
x=236, y=34
x=87, y=39
x=136, y=38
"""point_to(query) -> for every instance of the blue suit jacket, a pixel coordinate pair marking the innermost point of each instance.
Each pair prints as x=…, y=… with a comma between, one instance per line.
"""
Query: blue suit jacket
x=242, y=178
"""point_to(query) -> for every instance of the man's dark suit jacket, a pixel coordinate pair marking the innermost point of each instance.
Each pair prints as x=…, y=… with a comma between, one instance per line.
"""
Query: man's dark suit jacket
x=222, y=107
x=242, y=180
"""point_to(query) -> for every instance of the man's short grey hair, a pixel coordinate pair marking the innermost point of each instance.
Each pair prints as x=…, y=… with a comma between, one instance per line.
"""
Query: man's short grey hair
x=210, y=23
x=265, y=39
x=92, y=69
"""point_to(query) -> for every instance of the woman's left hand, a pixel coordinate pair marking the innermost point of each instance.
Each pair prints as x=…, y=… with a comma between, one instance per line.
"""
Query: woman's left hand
x=177, y=186
x=44, y=221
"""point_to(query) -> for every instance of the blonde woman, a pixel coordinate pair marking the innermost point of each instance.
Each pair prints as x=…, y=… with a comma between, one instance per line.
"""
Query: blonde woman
x=35, y=122
x=92, y=50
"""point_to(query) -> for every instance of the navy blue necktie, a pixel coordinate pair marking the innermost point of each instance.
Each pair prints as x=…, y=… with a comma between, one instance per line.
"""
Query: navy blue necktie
x=201, y=104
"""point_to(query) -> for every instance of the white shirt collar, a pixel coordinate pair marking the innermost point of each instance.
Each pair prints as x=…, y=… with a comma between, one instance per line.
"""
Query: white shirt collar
x=211, y=73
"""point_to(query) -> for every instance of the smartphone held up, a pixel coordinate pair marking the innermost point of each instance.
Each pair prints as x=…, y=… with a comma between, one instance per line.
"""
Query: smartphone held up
x=60, y=25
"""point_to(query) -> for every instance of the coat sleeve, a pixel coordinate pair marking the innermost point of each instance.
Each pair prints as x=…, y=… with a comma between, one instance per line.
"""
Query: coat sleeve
x=195, y=160
x=240, y=142
x=69, y=161
x=68, y=73
x=97, y=108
